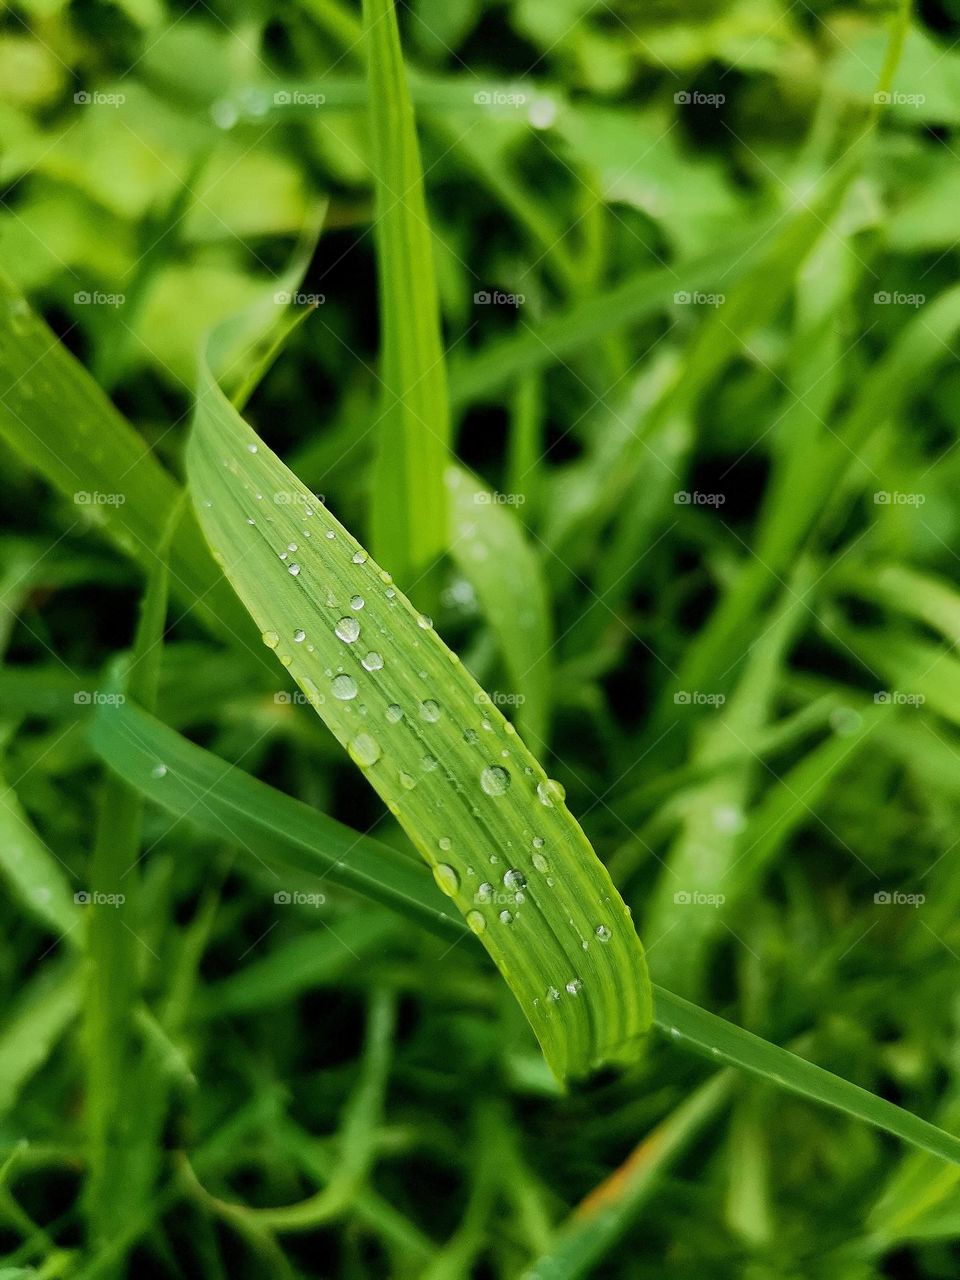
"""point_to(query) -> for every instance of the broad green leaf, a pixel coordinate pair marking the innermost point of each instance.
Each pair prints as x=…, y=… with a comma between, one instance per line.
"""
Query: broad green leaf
x=452, y=771
x=487, y=542
x=287, y=834
x=409, y=525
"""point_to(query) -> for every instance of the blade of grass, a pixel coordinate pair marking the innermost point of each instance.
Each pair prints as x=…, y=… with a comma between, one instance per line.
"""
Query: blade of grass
x=474, y=802
x=319, y=842
x=488, y=544
x=44, y=1010
x=408, y=522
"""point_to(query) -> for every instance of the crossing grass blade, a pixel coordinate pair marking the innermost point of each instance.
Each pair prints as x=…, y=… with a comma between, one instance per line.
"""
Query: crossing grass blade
x=409, y=526
x=286, y=834
x=453, y=772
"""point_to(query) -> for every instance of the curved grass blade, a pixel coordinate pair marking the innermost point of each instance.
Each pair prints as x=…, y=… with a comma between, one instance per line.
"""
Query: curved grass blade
x=286, y=833
x=409, y=524
x=488, y=544
x=475, y=803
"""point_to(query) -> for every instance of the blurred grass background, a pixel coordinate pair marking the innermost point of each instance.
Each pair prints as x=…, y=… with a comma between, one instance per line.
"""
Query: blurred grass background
x=697, y=280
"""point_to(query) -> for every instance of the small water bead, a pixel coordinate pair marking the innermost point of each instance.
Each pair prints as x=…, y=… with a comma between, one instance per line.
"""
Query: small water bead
x=348, y=629
x=330, y=534
x=299, y=636
x=291, y=546
x=285, y=660
x=343, y=687
x=294, y=570
x=270, y=638
x=372, y=661
x=429, y=763
x=158, y=771
x=494, y=780
x=283, y=555
x=550, y=792
x=430, y=710
x=359, y=557
x=407, y=780
x=514, y=879
x=505, y=917
x=538, y=842
x=385, y=577
x=447, y=879
x=250, y=520
x=602, y=933
x=445, y=843
x=471, y=736
x=251, y=448
x=424, y=621
x=575, y=986
x=356, y=602
x=476, y=922
x=485, y=892
x=553, y=995
x=394, y=712
x=390, y=593
x=364, y=750
x=541, y=864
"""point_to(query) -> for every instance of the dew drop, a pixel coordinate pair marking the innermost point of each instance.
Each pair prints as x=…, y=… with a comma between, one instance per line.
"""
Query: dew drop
x=394, y=712
x=514, y=879
x=356, y=602
x=494, y=780
x=359, y=557
x=364, y=750
x=270, y=639
x=291, y=546
x=372, y=661
x=294, y=570
x=445, y=843
x=348, y=629
x=447, y=879
x=343, y=687
x=430, y=710
x=429, y=763
x=424, y=621
x=553, y=995
x=550, y=792
x=330, y=534
x=602, y=933
x=158, y=771
x=299, y=635
x=471, y=736
x=251, y=448
x=475, y=922
x=407, y=781
x=541, y=864
x=575, y=986
x=505, y=917
x=485, y=892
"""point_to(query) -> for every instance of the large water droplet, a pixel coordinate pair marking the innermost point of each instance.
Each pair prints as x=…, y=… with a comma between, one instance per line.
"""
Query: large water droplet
x=372, y=661
x=550, y=792
x=364, y=750
x=343, y=687
x=494, y=780
x=514, y=879
x=348, y=629
x=446, y=878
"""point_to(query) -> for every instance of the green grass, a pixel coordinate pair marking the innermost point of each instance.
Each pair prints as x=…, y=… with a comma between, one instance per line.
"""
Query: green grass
x=604, y=922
